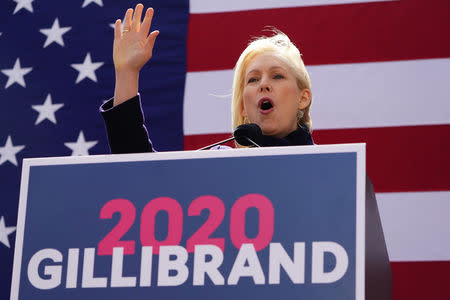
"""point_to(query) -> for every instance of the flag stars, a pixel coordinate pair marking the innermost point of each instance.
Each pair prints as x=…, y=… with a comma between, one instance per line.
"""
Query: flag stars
x=87, y=69
x=5, y=231
x=81, y=146
x=9, y=152
x=113, y=25
x=16, y=74
x=54, y=34
x=47, y=110
x=27, y=4
x=87, y=2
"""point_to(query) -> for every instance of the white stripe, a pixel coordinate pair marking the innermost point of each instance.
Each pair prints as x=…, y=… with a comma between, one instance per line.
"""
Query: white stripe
x=207, y=102
x=382, y=94
x=214, y=6
x=416, y=225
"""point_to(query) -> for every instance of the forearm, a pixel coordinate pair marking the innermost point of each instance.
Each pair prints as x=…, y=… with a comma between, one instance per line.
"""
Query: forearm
x=125, y=127
x=126, y=87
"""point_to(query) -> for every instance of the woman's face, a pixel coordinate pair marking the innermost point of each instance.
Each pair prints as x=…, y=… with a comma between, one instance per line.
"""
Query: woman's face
x=271, y=95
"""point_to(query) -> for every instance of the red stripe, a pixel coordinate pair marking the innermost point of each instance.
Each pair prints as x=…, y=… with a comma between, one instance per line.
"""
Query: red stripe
x=194, y=142
x=421, y=280
x=399, y=159
x=349, y=33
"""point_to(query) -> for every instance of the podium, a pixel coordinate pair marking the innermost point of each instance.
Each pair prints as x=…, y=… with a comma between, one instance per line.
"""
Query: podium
x=287, y=223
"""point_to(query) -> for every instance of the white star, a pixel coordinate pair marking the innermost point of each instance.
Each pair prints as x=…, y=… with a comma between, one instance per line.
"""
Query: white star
x=55, y=33
x=9, y=151
x=16, y=74
x=46, y=110
x=23, y=4
x=112, y=25
x=80, y=147
x=5, y=231
x=87, y=69
x=87, y=2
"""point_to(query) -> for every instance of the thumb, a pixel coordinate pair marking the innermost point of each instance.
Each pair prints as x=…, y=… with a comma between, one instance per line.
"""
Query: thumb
x=150, y=41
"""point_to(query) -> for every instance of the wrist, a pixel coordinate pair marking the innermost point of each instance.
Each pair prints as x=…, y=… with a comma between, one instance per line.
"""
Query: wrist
x=127, y=82
x=126, y=73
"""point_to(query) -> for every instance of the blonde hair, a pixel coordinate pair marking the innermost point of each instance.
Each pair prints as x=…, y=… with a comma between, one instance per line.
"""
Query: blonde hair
x=281, y=46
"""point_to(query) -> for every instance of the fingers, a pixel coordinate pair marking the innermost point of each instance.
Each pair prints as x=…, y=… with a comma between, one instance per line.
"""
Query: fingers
x=136, y=23
x=127, y=20
x=117, y=29
x=147, y=23
x=132, y=21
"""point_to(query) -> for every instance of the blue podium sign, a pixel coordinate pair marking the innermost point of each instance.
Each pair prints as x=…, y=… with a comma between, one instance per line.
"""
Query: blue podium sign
x=265, y=223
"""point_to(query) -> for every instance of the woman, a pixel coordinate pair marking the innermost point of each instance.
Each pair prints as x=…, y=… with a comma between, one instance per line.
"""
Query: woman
x=271, y=88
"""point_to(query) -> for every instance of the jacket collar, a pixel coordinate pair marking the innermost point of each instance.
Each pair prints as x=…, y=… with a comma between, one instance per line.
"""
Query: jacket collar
x=299, y=137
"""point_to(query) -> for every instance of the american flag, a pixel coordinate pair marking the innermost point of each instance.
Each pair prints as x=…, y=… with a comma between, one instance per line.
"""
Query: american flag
x=380, y=71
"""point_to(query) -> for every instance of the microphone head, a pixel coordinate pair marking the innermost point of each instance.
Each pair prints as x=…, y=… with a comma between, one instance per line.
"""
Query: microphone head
x=252, y=131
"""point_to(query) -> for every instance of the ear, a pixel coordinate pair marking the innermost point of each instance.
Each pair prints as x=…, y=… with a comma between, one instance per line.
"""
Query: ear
x=305, y=98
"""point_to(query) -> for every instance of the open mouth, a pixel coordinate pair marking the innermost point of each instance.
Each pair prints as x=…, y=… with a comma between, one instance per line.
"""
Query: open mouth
x=265, y=104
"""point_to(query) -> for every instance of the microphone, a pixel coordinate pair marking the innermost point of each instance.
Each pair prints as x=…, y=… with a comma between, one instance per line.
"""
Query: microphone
x=245, y=135
x=248, y=135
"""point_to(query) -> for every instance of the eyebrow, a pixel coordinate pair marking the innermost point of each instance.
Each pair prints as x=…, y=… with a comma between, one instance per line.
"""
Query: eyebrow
x=270, y=69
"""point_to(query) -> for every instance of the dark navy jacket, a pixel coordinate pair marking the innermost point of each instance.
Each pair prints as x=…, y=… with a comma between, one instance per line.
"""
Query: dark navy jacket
x=125, y=126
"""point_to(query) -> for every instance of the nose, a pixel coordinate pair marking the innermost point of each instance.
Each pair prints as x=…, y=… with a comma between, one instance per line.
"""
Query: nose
x=265, y=88
x=265, y=85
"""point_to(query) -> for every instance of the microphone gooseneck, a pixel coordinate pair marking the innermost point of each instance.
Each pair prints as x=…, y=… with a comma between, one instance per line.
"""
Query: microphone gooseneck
x=245, y=135
x=216, y=144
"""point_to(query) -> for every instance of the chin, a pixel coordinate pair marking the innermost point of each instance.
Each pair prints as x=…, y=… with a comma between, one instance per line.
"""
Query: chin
x=268, y=130
x=275, y=132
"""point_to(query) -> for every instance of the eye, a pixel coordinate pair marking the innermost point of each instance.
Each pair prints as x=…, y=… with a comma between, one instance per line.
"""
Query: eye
x=278, y=76
x=252, y=79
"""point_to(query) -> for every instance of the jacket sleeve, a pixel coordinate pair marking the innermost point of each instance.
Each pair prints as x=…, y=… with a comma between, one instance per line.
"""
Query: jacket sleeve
x=125, y=127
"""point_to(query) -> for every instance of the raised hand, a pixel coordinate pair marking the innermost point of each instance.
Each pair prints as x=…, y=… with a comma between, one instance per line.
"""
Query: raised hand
x=132, y=49
x=133, y=46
